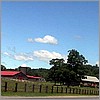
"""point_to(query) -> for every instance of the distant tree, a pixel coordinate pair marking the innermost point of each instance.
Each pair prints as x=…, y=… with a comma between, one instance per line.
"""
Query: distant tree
x=41, y=72
x=91, y=70
x=3, y=68
x=29, y=71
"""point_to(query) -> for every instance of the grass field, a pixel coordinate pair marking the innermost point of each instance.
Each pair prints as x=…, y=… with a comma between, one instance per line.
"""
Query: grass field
x=28, y=91
x=38, y=94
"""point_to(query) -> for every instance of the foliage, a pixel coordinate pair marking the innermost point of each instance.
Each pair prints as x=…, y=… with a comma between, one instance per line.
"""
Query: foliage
x=70, y=73
x=55, y=73
x=3, y=67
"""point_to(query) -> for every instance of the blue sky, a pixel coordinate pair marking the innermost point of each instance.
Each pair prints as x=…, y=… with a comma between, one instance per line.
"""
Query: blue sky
x=33, y=33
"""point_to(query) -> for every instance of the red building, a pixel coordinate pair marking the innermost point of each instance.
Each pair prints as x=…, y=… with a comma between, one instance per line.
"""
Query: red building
x=20, y=75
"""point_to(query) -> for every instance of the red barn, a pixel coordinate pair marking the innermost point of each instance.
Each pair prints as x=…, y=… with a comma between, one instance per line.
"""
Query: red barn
x=14, y=75
x=20, y=75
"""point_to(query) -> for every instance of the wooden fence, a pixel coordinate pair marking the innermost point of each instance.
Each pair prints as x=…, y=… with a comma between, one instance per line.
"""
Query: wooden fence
x=48, y=89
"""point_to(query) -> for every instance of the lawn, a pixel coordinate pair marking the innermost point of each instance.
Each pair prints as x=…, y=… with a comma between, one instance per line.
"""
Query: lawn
x=43, y=89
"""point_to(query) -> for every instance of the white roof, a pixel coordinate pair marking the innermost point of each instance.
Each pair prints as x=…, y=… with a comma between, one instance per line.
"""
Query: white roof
x=90, y=79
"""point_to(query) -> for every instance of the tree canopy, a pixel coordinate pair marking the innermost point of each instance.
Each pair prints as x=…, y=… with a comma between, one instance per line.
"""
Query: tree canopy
x=70, y=72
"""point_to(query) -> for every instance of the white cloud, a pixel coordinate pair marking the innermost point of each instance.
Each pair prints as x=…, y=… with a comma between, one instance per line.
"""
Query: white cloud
x=42, y=55
x=20, y=57
x=23, y=65
x=6, y=53
x=47, y=39
x=24, y=57
x=45, y=55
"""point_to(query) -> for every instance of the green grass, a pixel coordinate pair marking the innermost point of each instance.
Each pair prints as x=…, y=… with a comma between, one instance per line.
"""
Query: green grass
x=29, y=92
x=38, y=94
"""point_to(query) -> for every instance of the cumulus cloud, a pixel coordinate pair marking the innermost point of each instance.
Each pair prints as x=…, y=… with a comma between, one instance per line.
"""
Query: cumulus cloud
x=45, y=55
x=47, y=39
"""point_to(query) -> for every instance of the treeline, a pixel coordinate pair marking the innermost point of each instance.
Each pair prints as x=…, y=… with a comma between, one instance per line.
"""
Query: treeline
x=68, y=73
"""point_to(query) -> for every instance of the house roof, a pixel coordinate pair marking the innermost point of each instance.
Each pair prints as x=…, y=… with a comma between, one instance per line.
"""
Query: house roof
x=90, y=79
x=10, y=73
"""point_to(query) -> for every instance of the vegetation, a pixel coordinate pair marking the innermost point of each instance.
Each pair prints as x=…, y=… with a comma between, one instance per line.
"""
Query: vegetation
x=66, y=73
x=21, y=91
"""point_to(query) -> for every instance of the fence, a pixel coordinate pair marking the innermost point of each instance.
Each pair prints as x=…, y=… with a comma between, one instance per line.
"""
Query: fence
x=47, y=89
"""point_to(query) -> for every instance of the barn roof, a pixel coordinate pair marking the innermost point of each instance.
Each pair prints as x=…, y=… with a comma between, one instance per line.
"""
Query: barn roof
x=34, y=77
x=90, y=79
x=10, y=73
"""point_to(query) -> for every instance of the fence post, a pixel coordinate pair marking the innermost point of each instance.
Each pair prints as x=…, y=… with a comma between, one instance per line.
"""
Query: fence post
x=90, y=92
x=70, y=90
x=52, y=90
x=85, y=91
x=82, y=91
x=57, y=89
x=40, y=88
x=93, y=92
x=5, y=86
x=46, y=89
x=98, y=92
x=66, y=89
x=25, y=87
x=61, y=89
x=79, y=91
x=16, y=84
x=76, y=91
x=73, y=90
x=33, y=88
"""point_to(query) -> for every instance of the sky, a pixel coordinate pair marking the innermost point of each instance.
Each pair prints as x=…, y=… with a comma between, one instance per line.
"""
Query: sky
x=33, y=33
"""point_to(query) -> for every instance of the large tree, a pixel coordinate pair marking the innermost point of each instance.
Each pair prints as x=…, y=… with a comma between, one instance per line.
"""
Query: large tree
x=76, y=64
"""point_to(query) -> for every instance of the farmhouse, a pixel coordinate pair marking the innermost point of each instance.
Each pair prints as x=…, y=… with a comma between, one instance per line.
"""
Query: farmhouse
x=21, y=75
x=90, y=81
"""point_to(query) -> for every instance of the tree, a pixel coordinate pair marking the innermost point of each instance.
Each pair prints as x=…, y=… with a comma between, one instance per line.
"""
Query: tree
x=75, y=63
x=41, y=72
x=55, y=70
x=91, y=70
x=3, y=67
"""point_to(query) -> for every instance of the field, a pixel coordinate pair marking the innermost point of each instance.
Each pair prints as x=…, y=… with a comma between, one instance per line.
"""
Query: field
x=27, y=88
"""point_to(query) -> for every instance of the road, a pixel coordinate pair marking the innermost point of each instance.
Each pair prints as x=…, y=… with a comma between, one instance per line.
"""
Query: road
x=49, y=98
